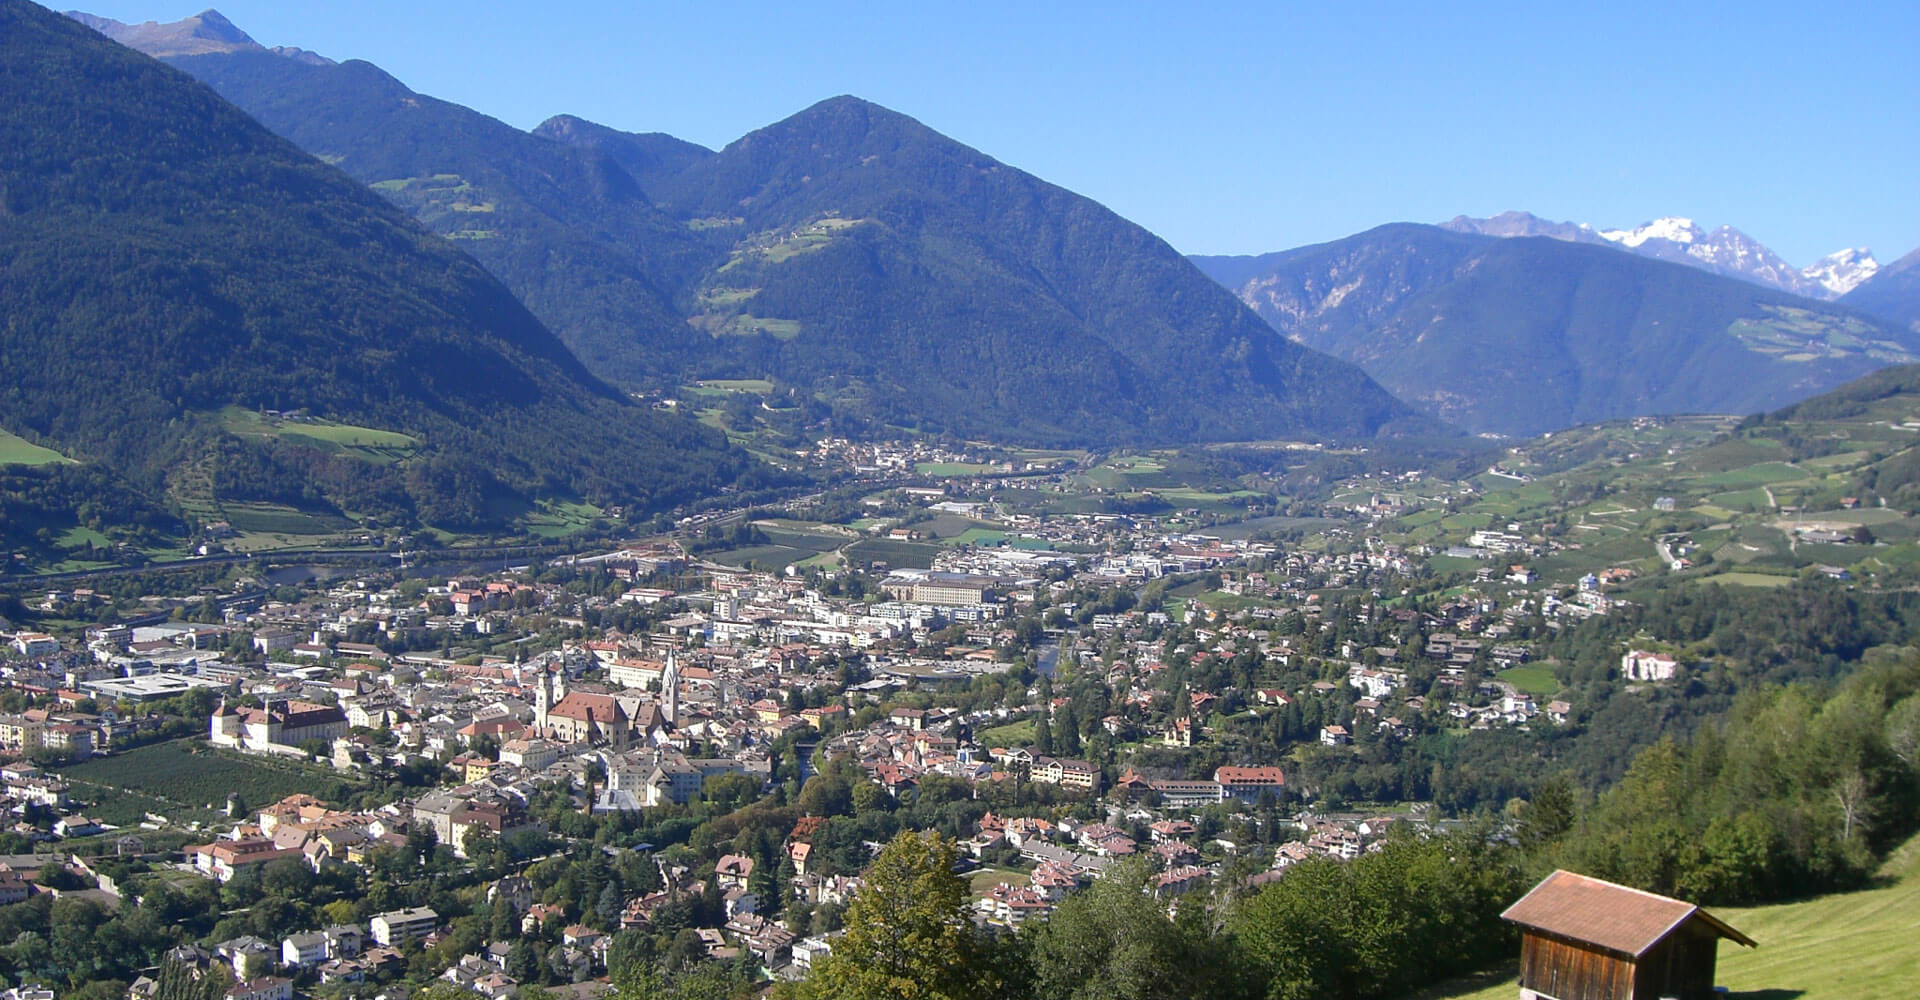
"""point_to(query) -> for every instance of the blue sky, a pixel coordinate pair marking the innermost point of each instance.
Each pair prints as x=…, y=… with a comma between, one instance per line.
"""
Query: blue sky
x=1242, y=127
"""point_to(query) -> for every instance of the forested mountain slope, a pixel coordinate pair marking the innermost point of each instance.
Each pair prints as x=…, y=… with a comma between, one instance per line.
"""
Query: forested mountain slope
x=1529, y=334
x=849, y=250
x=172, y=266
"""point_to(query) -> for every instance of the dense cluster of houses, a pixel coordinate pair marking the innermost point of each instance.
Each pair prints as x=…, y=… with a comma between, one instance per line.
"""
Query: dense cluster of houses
x=736, y=662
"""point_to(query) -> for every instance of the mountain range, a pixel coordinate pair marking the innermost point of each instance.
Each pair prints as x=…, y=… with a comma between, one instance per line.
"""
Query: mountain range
x=1892, y=293
x=1524, y=334
x=897, y=279
x=848, y=252
x=1726, y=250
x=202, y=33
x=200, y=314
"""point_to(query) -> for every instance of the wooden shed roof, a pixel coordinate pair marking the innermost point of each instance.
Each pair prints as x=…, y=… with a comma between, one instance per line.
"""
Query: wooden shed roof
x=1614, y=917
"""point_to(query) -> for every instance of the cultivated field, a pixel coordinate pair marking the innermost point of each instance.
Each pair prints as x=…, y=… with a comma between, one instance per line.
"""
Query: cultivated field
x=184, y=780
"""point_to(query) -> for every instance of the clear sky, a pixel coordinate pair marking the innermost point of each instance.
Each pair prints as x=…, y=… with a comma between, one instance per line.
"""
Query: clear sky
x=1240, y=127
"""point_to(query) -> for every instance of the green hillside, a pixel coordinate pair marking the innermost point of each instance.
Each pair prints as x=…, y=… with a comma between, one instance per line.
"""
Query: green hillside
x=15, y=450
x=891, y=274
x=1838, y=947
x=1525, y=335
x=939, y=287
x=566, y=228
x=169, y=260
x=1830, y=484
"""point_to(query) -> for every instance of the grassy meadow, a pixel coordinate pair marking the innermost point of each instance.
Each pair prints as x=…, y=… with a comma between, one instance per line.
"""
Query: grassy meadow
x=1846, y=946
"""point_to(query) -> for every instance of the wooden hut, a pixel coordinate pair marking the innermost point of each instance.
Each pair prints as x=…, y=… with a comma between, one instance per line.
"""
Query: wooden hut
x=1587, y=939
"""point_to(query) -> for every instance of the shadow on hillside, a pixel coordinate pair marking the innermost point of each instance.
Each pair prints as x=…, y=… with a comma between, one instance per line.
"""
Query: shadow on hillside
x=1465, y=985
x=1882, y=880
x=1767, y=995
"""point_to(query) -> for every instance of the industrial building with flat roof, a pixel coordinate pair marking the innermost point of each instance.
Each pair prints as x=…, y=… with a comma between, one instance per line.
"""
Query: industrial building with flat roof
x=146, y=687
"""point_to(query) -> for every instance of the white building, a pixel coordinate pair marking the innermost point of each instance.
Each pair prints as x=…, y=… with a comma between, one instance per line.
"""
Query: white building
x=390, y=930
x=1639, y=665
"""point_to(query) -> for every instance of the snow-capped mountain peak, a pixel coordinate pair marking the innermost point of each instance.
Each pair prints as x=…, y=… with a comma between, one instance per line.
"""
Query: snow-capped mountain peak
x=1841, y=272
x=1725, y=250
x=1673, y=229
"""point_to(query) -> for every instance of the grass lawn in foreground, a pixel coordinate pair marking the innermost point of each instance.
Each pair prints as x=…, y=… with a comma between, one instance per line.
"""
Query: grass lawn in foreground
x=1840, y=947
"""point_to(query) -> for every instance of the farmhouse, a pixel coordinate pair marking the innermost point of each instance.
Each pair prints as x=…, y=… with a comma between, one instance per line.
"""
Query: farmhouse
x=1587, y=939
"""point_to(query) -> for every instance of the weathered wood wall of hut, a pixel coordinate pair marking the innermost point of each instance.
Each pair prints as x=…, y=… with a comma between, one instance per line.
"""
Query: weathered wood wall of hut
x=1680, y=966
x=1569, y=970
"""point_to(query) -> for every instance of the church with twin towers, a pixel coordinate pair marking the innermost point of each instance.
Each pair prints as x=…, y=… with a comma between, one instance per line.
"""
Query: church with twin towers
x=616, y=721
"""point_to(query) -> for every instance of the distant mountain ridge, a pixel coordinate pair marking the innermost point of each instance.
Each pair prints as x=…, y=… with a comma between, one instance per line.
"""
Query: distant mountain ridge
x=1725, y=250
x=200, y=309
x=1893, y=293
x=1524, y=334
x=205, y=32
x=850, y=251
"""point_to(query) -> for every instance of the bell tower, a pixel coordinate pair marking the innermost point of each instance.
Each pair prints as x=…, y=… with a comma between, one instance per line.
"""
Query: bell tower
x=542, y=701
x=670, y=690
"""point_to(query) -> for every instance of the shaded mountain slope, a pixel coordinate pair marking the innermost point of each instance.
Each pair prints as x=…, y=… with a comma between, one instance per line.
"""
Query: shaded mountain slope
x=171, y=266
x=567, y=229
x=1527, y=334
x=1893, y=293
x=848, y=251
x=878, y=260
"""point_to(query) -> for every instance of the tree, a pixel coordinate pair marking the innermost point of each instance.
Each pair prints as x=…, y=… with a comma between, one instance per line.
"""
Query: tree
x=907, y=932
x=1548, y=814
x=421, y=840
x=523, y=961
x=559, y=965
x=1855, y=801
x=686, y=951
x=180, y=981
x=502, y=923
x=1113, y=940
x=288, y=878
x=829, y=794
x=607, y=908
x=1903, y=731
x=867, y=797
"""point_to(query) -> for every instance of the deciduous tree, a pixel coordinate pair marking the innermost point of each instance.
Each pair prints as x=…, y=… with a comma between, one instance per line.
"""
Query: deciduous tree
x=907, y=932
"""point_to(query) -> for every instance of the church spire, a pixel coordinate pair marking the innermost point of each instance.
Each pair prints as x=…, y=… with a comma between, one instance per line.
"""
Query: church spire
x=542, y=701
x=670, y=691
